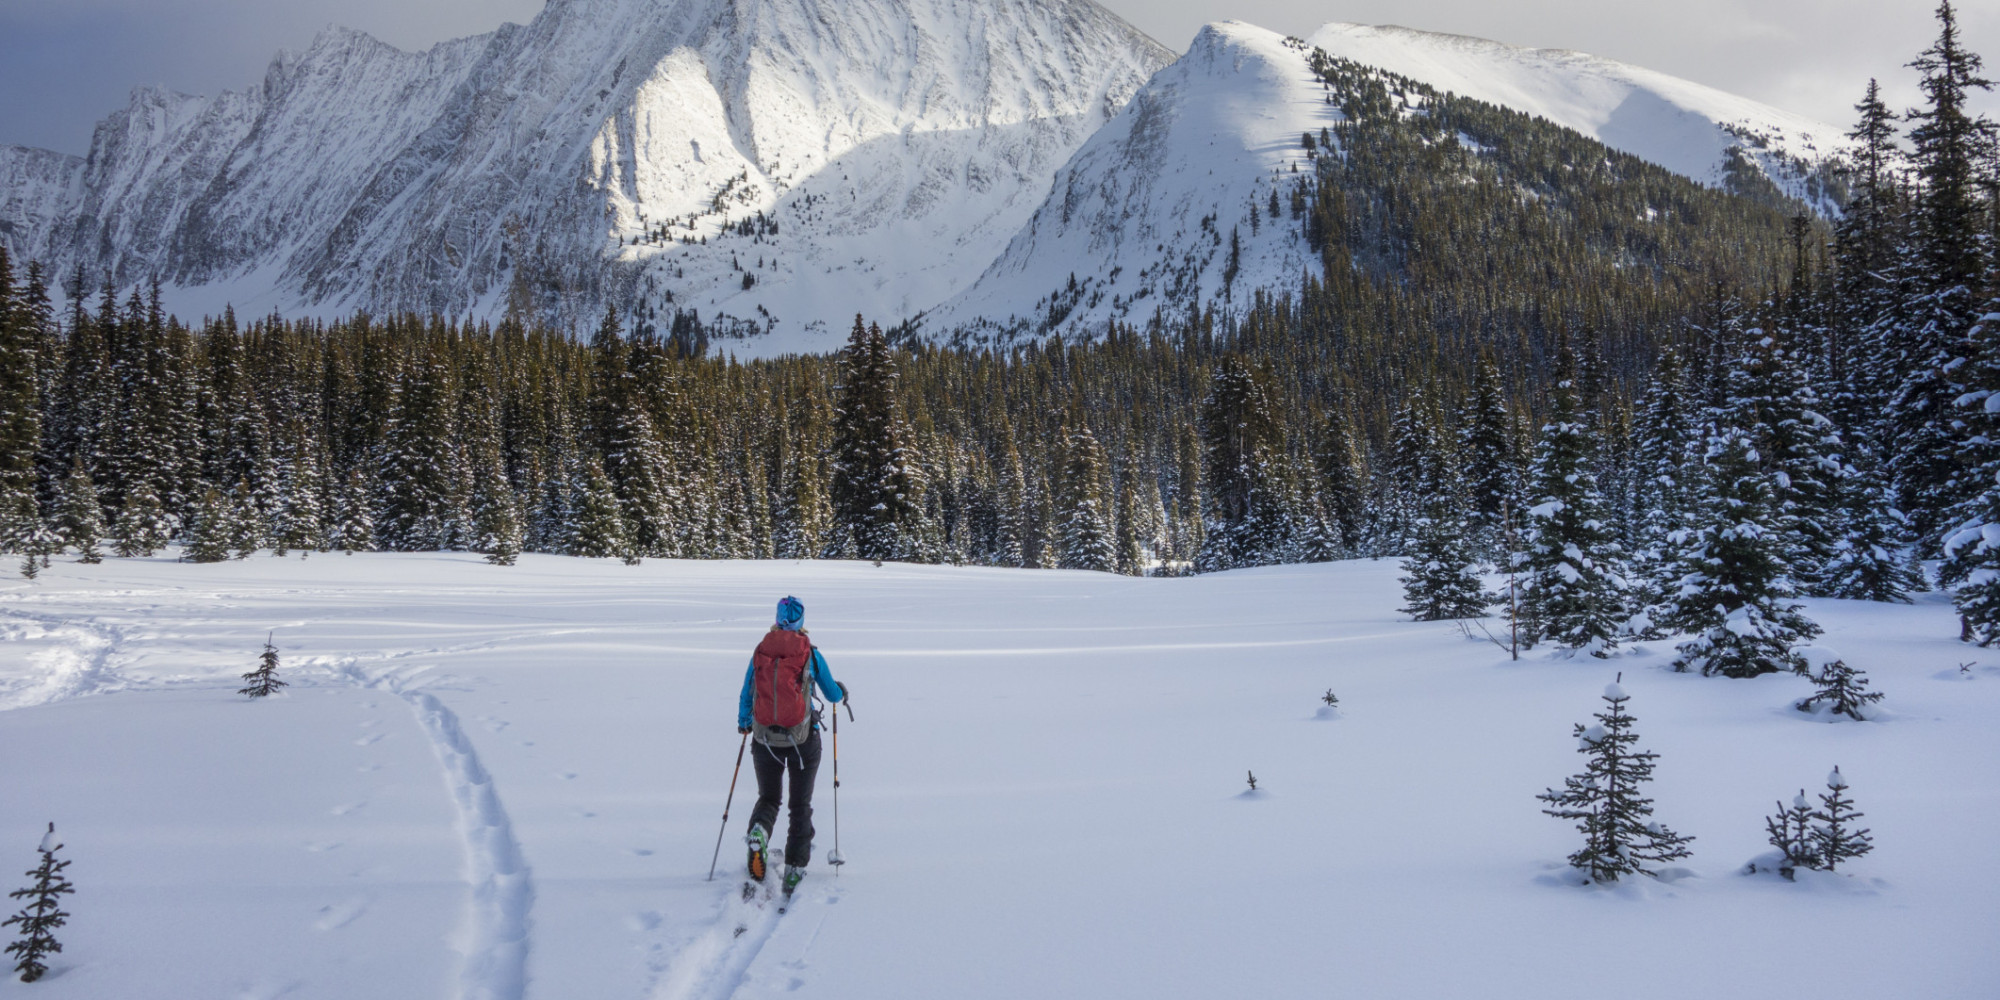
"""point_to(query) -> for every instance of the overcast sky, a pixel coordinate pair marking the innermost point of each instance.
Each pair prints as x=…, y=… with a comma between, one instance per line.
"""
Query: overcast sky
x=66, y=63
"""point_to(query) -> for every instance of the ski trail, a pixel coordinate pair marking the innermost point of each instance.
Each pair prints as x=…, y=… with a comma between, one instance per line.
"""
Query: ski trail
x=714, y=965
x=496, y=953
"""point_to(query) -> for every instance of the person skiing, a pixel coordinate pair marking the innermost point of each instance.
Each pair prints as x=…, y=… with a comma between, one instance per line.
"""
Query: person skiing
x=775, y=708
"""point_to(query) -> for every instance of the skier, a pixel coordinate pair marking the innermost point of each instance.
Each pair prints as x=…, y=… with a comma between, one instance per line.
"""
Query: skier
x=775, y=708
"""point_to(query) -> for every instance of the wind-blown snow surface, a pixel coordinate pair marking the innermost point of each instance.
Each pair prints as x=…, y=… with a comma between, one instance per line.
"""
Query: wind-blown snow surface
x=1143, y=217
x=506, y=783
x=1683, y=126
x=898, y=144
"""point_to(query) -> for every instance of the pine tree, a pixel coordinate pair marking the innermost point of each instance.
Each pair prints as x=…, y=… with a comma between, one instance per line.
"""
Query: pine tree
x=1487, y=446
x=1087, y=539
x=1790, y=831
x=1950, y=259
x=1737, y=592
x=872, y=492
x=1834, y=835
x=1605, y=800
x=1012, y=515
x=422, y=493
x=21, y=342
x=301, y=520
x=1843, y=689
x=1240, y=440
x=264, y=680
x=1131, y=555
x=142, y=527
x=210, y=529
x=353, y=528
x=1768, y=398
x=599, y=527
x=80, y=522
x=1873, y=559
x=42, y=913
x=1440, y=583
x=1572, y=589
x=1666, y=447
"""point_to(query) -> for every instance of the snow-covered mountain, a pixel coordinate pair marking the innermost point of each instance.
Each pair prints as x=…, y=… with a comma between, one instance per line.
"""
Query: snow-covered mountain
x=834, y=157
x=782, y=165
x=1705, y=134
x=1165, y=208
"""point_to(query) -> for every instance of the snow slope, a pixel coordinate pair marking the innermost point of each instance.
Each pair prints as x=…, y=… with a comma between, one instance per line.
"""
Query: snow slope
x=506, y=783
x=1143, y=217
x=1693, y=130
x=898, y=144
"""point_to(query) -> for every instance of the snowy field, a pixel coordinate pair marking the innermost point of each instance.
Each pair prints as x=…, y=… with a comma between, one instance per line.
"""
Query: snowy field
x=505, y=783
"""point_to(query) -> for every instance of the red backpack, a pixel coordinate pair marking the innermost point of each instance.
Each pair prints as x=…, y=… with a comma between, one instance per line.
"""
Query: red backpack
x=781, y=688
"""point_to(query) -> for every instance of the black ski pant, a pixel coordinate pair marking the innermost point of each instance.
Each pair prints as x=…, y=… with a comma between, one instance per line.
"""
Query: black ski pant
x=773, y=764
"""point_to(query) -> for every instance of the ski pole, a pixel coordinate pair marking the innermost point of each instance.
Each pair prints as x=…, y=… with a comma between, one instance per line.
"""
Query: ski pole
x=726, y=804
x=834, y=858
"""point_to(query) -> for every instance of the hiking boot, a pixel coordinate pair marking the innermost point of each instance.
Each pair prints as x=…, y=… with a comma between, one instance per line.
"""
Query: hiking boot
x=759, y=840
x=793, y=875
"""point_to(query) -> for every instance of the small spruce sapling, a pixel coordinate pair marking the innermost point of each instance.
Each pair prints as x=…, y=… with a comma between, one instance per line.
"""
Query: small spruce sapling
x=1619, y=839
x=1835, y=837
x=1253, y=779
x=1842, y=687
x=1790, y=832
x=1330, y=699
x=41, y=915
x=264, y=680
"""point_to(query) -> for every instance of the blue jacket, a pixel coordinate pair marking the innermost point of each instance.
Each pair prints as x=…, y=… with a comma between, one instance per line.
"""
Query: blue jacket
x=829, y=688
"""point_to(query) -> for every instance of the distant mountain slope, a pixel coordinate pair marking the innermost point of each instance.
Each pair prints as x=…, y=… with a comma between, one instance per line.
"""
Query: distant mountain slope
x=1699, y=132
x=826, y=157
x=1146, y=214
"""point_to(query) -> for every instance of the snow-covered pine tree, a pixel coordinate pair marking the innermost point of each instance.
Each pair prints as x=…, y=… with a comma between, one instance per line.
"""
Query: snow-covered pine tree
x=1619, y=839
x=42, y=913
x=1949, y=261
x=1241, y=440
x=1343, y=489
x=599, y=530
x=1835, y=838
x=1736, y=592
x=80, y=520
x=1874, y=559
x=872, y=488
x=1439, y=582
x=142, y=527
x=301, y=520
x=353, y=528
x=422, y=496
x=1087, y=539
x=20, y=407
x=209, y=530
x=1767, y=396
x=1666, y=451
x=1486, y=448
x=1011, y=516
x=264, y=680
x=1843, y=689
x=1573, y=589
x=1790, y=831
x=1131, y=556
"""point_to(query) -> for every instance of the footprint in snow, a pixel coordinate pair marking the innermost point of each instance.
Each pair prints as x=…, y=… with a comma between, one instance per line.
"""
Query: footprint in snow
x=343, y=810
x=322, y=846
x=369, y=740
x=334, y=916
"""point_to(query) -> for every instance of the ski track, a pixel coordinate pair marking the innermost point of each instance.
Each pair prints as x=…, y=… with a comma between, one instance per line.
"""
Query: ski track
x=503, y=894
x=715, y=964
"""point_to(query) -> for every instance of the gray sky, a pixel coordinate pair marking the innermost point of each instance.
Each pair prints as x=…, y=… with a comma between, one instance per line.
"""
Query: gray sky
x=66, y=63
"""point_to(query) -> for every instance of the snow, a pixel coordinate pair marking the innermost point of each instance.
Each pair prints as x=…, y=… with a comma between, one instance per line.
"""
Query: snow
x=1680, y=125
x=1142, y=216
x=507, y=782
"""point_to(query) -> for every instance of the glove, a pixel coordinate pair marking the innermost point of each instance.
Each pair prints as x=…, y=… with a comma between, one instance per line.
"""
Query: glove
x=843, y=689
x=743, y=730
